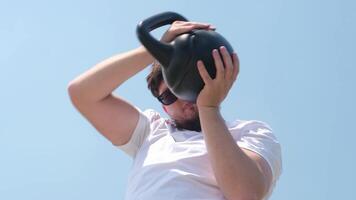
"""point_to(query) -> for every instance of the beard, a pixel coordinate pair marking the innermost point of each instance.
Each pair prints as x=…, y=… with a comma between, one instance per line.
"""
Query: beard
x=192, y=124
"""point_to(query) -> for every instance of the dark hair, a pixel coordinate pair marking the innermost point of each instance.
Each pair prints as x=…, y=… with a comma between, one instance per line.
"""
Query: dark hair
x=154, y=78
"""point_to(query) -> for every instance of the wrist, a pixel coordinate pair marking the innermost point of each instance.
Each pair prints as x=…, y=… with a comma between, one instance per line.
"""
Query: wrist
x=144, y=54
x=166, y=40
x=209, y=109
x=209, y=116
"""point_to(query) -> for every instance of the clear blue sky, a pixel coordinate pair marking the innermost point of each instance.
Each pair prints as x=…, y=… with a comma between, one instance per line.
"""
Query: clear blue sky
x=297, y=74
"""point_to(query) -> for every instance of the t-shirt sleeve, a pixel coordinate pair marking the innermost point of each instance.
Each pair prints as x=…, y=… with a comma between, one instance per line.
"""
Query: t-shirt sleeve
x=258, y=137
x=140, y=133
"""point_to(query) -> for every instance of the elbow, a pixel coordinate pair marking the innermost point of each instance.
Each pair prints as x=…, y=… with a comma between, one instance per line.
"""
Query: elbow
x=247, y=196
x=254, y=196
x=256, y=193
x=252, y=192
x=71, y=89
x=73, y=92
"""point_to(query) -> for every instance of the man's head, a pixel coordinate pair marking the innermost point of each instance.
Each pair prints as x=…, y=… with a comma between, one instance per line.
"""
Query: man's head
x=183, y=113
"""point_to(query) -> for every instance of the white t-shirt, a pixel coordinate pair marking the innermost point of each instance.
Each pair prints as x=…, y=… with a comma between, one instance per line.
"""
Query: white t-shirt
x=170, y=164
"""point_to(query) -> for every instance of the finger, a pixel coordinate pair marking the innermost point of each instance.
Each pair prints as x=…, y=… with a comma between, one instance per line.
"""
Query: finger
x=178, y=22
x=212, y=27
x=197, y=25
x=227, y=63
x=218, y=65
x=236, y=63
x=179, y=27
x=204, y=73
x=186, y=28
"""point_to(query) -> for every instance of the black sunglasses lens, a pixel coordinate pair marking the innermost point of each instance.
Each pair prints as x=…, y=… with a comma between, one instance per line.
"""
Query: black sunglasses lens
x=167, y=97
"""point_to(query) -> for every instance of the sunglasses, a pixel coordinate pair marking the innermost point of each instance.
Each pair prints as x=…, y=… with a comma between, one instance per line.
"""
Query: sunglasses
x=167, y=97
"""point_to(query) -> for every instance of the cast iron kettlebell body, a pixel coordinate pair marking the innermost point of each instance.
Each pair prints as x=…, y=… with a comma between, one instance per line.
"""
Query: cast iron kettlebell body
x=179, y=57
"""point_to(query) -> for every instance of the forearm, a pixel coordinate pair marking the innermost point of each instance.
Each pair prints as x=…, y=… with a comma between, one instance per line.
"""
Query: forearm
x=236, y=174
x=99, y=81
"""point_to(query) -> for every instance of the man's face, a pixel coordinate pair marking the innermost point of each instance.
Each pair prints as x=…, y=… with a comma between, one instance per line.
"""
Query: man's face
x=184, y=113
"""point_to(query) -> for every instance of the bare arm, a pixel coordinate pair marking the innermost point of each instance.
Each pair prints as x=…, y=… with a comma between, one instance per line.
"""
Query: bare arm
x=240, y=173
x=91, y=94
x=98, y=82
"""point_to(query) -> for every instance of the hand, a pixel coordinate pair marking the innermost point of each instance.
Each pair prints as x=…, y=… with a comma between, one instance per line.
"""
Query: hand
x=179, y=27
x=215, y=90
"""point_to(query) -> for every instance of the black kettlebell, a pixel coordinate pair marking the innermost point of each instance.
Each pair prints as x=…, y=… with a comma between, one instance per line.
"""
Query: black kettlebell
x=179, y=57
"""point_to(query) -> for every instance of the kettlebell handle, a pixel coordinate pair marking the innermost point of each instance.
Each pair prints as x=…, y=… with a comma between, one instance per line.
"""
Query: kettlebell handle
x=160, y=50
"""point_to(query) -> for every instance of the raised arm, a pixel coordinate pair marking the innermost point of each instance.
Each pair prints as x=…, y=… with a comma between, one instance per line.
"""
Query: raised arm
x=91, y=94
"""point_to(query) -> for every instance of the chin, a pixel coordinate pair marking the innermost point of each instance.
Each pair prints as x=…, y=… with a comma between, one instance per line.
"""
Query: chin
x=192, y=123
x=190, y=120
x=191, y=112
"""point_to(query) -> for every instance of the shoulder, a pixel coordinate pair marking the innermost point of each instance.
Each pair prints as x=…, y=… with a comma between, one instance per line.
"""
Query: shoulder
x=248, y=124
x=155, y=120
x=257, y=136
x=152, y=115
x=242, y=127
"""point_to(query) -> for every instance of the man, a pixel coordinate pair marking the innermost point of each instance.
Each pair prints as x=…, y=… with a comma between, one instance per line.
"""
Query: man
x=193, y=155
